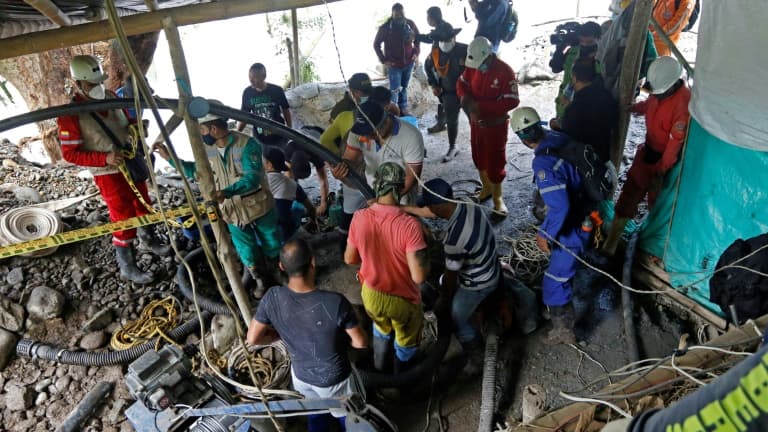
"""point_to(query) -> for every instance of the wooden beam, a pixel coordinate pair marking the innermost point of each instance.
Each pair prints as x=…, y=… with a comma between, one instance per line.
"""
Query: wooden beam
x=295, y=48
x=630, y=72
x=143, y=23
x=51, y=11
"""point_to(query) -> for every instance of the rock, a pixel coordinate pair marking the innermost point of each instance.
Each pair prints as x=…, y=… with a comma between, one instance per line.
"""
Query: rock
x=62, y=383
x=93, y=340
x=43, y=384
x=18, y=398
x=45, y=303
x=99, y=321
x=27, y=194
x=41, y=398
x=294, y=100
x=10, y=164
x=7, y=347
x=223, y=332
x=307, y=91
x=15, y=276
x=95, y=216
x=11, y=315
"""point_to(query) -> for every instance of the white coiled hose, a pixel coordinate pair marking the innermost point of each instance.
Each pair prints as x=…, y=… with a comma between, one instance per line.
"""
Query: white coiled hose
x=29, y=223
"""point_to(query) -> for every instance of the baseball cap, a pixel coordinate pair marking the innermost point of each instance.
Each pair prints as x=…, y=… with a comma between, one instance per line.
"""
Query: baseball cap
x=300, y=166
x=368, y=110
x=360, y=82
x=441, y=189
x=276, y=157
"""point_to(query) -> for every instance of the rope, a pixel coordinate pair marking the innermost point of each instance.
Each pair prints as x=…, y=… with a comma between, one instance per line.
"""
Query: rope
x=271, y=363
x=29, y=223
x=157, y=318
x=526, y=261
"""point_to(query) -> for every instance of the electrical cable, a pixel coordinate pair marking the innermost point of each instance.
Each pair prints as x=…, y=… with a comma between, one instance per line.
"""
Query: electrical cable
x=591, y=400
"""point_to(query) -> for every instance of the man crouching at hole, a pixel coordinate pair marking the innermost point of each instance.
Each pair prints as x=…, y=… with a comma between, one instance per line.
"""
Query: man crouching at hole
x=314, y=324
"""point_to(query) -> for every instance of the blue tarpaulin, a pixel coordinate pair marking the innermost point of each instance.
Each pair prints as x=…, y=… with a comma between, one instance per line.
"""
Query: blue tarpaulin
x=717, y=194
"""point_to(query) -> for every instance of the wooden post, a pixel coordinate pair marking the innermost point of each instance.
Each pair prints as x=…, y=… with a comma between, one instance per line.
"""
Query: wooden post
x=296, y=55
x=630, y=72
x=292, y=67
x=204, y=172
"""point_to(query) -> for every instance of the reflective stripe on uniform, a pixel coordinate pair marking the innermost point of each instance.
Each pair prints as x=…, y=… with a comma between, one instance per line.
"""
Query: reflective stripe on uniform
x=557, y=165
x=552, y=188
x=555, y=278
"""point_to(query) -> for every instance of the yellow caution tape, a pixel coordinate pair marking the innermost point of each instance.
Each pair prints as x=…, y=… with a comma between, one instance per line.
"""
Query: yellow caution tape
x=93, y=232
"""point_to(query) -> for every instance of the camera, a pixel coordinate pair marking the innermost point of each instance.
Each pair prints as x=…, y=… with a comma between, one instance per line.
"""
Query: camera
x=566, y=34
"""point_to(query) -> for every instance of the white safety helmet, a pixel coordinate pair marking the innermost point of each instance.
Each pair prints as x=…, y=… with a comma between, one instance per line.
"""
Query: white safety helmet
x=523, y=118
x=663, y=74
x=479, y=50
x=87, y=68
x=210, y=116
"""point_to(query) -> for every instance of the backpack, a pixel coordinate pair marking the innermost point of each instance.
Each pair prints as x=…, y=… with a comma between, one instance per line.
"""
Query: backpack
x=598, y=178
x=694, y=14
x=510, y=25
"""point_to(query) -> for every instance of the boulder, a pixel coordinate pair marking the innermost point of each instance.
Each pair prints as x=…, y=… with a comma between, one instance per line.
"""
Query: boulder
x=18, y=398
x=45, y=303
x=11, y=315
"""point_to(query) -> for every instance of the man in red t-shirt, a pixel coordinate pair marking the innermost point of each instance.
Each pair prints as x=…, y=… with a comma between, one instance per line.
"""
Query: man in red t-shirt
x=666, y=120
x=488, y=90
x=389, y=245
x=84, y=142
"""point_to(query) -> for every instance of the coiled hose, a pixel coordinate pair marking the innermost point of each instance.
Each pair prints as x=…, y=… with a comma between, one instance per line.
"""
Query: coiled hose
x=34, y=350
x=29, y=223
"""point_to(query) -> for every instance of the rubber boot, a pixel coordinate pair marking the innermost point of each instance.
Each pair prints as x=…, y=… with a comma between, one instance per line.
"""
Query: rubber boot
x=475, y=356
x=127, y=264
x=562, y=326
x=486, y=192
x=148, y=240
x=438, y=127
x=452, y=153
x=251, y=280
x=614, y=235
x=498, y=201
x=383, y=350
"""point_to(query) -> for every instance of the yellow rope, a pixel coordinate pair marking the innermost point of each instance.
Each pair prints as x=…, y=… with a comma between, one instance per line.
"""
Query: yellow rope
x=158, y=317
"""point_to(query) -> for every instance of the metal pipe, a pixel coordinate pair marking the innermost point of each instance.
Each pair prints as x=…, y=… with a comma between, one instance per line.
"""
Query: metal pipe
x=51, y=11
x=85, y=408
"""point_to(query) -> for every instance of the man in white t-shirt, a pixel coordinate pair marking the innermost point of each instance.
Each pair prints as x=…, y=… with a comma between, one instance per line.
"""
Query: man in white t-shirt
x=378, y=137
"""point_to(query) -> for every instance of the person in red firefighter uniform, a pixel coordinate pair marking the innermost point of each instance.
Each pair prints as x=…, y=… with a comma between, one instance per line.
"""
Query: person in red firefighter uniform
x=666, y=119
x=84, y=142
x=488, y=91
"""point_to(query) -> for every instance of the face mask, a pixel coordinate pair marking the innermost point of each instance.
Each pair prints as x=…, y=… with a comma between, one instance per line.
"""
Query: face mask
x=363, y=99
x=585, y=51
x=97, y=92
x=446, y=47
x=209, y=140
x=483, y=67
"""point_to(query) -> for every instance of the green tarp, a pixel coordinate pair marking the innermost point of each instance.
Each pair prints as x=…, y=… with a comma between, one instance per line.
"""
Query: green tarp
x=717, y=194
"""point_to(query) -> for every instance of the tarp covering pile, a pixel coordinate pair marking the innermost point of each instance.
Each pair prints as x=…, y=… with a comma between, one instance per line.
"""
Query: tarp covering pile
x=719, y=192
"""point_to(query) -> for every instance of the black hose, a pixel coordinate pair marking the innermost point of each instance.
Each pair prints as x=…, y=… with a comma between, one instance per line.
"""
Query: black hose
x=182, y=279
x=32, y=349
x=626, y=299
x=306, y=143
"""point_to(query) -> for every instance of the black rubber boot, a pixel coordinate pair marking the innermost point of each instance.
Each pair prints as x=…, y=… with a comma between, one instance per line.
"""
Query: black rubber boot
x=562, y=326
x=383, y=350
x=148, y=240
x=251, y=280
x=128, y=270
x=475, y=356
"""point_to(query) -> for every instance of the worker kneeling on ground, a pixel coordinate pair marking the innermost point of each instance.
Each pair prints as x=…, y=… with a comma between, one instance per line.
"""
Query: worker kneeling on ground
x=103, y=142
x=666, y=119
x=390, y=248
x=315, y=326
x=242, y=190
x=472, y=269
x=560, y=184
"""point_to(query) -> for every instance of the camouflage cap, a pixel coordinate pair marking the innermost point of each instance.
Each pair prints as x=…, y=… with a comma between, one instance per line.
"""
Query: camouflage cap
x=389, y=177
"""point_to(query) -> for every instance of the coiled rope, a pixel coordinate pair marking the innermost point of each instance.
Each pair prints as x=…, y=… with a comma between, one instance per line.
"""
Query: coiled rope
x=156, y=319
x=525, y=259
x=29, y=223
x=271, y=363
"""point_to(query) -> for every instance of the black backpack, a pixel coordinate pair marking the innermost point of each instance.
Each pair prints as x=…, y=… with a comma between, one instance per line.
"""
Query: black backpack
x=598, y=178
x=510, y=25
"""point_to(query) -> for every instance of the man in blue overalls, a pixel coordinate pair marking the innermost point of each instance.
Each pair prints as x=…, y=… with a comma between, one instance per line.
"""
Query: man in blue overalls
x=560, y=235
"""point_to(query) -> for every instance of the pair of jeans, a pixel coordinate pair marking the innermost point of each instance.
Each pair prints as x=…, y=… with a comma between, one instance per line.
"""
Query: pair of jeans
x=465, y=301
x=399, y=77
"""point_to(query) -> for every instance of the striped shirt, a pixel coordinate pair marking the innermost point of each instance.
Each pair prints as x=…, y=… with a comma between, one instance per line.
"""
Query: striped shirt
x=470, y=248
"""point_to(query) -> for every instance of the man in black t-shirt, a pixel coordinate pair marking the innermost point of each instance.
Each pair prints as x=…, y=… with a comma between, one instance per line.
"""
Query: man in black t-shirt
x=316, y=327
x=265, y=100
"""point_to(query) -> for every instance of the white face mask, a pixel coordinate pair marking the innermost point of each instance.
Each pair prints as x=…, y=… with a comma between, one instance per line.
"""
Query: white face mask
x=446, y=47
x=97, y=92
